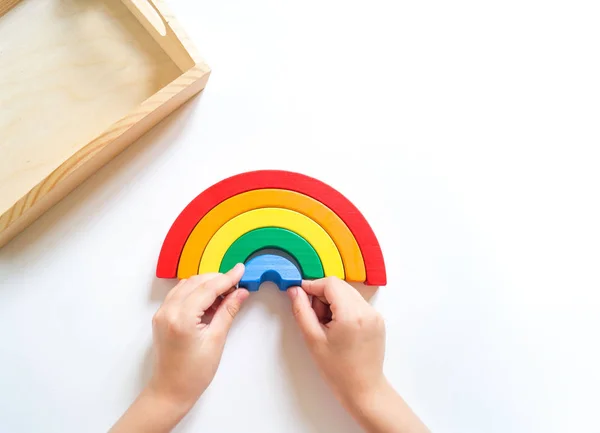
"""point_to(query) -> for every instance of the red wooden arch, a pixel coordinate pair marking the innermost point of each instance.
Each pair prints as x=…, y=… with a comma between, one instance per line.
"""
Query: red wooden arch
x=212, y=196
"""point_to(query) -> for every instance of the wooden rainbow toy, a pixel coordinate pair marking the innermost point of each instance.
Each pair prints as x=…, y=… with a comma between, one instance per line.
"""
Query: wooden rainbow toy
x=237, y=218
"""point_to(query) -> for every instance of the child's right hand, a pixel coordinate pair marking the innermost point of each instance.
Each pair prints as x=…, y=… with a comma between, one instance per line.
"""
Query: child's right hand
x=345, y=335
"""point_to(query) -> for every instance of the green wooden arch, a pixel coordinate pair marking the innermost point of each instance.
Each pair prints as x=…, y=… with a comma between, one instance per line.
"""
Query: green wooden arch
x=277, y=238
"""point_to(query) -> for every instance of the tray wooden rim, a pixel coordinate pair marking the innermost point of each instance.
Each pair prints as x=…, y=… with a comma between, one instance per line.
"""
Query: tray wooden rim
x=91, y=157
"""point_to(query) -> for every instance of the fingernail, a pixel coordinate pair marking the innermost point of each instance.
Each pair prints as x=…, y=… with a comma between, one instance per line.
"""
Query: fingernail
x=293, y=291
x=242, y=294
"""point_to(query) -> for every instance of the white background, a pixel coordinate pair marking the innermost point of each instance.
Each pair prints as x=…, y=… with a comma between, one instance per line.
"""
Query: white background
x=467, y=132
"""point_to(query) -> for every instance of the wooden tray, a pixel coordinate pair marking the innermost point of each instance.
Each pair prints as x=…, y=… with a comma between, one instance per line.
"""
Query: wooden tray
x=80, y=80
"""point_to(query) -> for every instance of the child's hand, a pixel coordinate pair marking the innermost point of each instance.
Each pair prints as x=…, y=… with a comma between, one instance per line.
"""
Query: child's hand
x=188, y=347
x=188, y=350
x=345, y=335
x=347, y=339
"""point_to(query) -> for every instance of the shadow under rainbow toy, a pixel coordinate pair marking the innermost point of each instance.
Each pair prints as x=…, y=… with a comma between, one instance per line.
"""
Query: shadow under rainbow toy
x=239, y=218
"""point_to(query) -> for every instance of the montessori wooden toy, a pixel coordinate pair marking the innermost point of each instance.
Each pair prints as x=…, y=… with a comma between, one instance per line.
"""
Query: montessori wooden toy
x=274, y=238
x=237, y=218
x=79, y=82
x=270, y=267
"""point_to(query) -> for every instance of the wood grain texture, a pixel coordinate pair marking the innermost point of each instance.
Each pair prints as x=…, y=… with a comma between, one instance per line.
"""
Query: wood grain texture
x=176, y=42
x=136, y=84
x=7, y=5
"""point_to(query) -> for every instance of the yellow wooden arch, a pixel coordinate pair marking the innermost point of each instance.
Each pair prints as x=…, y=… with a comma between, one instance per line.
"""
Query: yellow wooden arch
x=354, y=266
x=273, y=217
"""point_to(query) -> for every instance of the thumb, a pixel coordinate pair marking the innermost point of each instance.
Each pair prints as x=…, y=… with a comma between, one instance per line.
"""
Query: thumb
x=305, y=315
x=226, y=312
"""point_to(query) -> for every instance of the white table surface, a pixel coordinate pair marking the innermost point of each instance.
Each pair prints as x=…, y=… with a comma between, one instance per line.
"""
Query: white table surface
x=467, y=132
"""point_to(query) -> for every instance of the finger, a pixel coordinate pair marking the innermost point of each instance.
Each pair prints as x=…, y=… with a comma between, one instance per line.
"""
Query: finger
x=205, y=295
x=367, y=292
x=226, y=312
x=216, y=304
x=190, y=284
x=305, y=316
x=210, y=311
x=322, y=310
x=339, y=294
x=173, y=291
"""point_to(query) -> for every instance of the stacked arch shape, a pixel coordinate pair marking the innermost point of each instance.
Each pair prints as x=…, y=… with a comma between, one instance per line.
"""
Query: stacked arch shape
x=273, y=209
